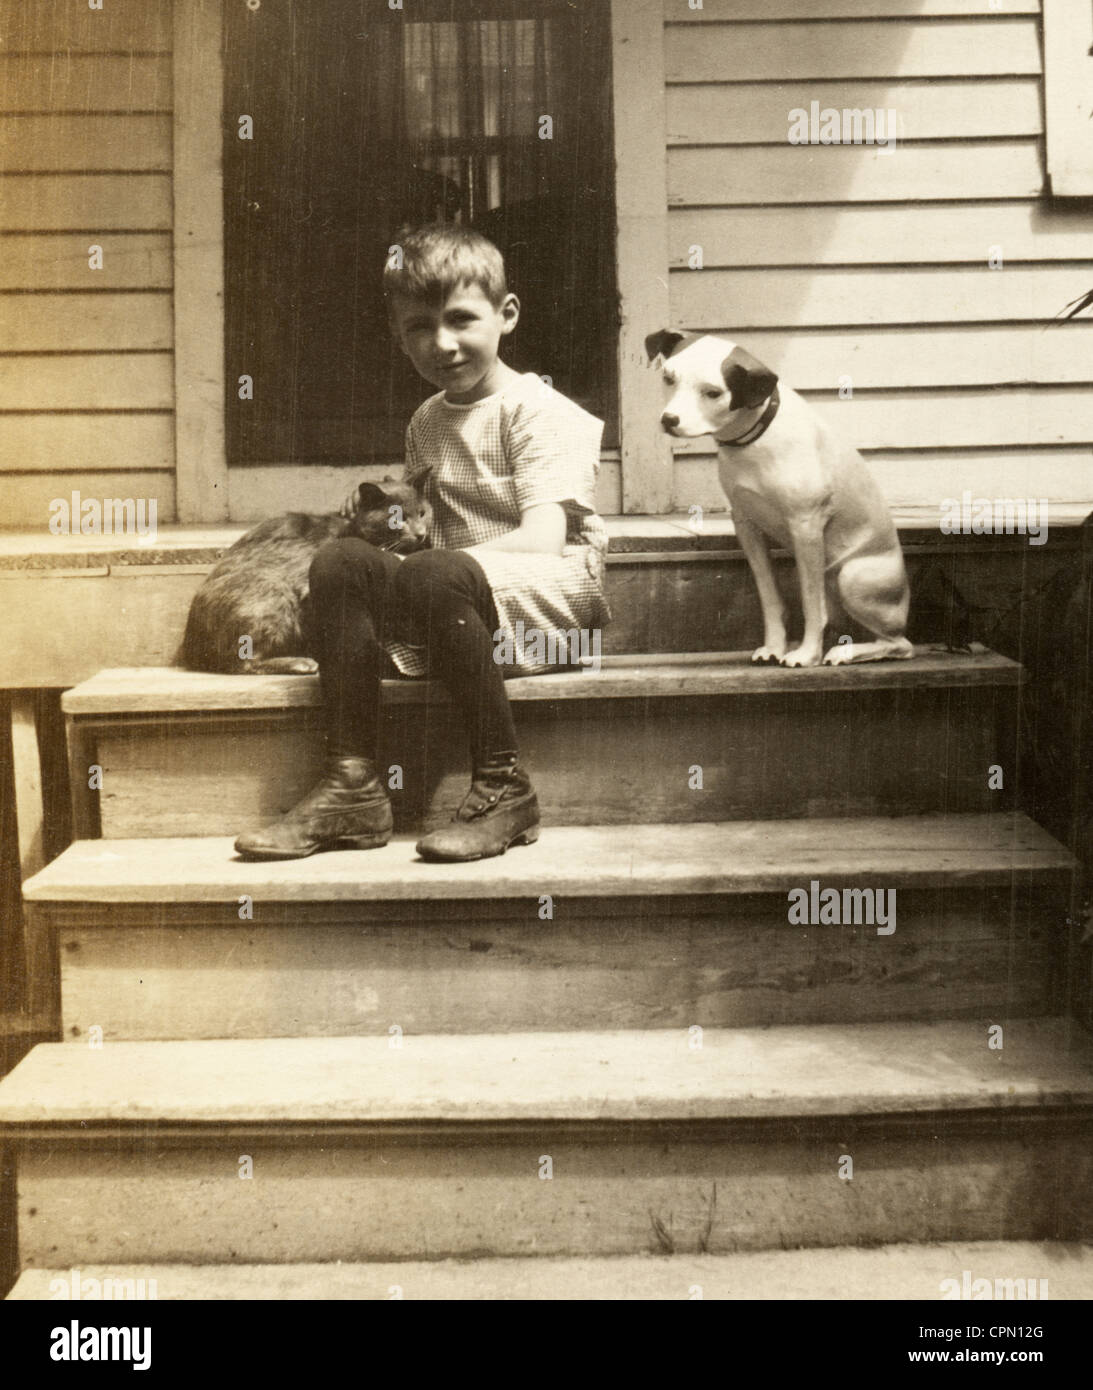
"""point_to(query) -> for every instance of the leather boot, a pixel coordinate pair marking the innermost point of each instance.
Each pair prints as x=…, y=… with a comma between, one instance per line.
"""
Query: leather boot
x=499, y=810
x=348, y=808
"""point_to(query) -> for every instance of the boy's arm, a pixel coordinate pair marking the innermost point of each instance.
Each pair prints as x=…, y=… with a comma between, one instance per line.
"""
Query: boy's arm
x=555, y=452
x=541, y=531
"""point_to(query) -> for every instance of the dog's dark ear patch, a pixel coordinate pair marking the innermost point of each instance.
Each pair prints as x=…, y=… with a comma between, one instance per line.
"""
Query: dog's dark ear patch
x=664, y=343
x=747, y=378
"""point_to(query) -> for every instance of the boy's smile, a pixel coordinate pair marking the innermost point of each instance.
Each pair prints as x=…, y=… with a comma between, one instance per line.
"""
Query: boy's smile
x=454, y=345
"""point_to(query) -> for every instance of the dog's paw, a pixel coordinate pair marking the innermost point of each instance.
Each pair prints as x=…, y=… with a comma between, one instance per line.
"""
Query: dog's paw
x=766, y=655
x=841, y=655
x=801, y=656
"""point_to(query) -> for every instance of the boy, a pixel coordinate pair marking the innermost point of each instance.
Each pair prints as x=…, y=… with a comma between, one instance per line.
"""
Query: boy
x=509, y=466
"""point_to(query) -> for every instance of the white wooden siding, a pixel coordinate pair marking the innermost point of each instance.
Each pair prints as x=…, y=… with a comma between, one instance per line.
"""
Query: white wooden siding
x=944, y=109
x=114, y=322
x=86, y=381
x=961, y=355
x=85, y=82
x=85, y=202
x=964, y=419
x=812, y=174
x=121, y=26
x=28, y=495
x=58, y=261
x=49, y=144
x=995, y=47
x=879, y=234
x=101, y=442
x=86, y=367
x=835, y=262
x=679, y=11
x=876, y=295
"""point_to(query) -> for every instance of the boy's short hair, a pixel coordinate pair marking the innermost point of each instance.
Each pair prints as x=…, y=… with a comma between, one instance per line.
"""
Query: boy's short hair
x=437, y=259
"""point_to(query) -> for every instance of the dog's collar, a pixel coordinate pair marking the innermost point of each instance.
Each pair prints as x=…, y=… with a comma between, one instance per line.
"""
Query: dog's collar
x=752, y=433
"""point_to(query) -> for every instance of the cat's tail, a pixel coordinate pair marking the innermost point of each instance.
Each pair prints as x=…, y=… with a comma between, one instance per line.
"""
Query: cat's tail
x=199, y=651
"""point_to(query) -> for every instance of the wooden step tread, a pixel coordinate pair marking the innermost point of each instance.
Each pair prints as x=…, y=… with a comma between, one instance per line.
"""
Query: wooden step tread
x=830, y=1272
x=736, y=1074
x=166, y=689
x=577, y=861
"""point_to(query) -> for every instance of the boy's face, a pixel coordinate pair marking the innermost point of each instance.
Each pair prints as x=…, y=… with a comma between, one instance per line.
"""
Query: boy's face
x=454, y=345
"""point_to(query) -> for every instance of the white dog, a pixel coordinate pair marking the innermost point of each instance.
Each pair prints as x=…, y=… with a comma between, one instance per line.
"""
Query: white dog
x=791, y=482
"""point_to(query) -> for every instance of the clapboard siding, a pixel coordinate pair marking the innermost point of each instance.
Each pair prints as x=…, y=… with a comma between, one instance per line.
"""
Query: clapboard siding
x=57, y=26
x=27, y=497
x=734, y=11
x=85, y=161
x=900, y=234
x=140, y=261
x=926, y=478
x=722, y=175
x=718, y=299
x=953, y=419
x=77, y=143
x=87, y=381
x=927, y=357
x=85, y=322
x=85, y=202
x=933, y=419
x=1060, y=475
x=949, y=109
x=869, y=49
x=100, y=442
x=85, y=83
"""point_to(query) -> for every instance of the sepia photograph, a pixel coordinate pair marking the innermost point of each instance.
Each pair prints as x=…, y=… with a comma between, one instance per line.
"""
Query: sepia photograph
x=546, y=697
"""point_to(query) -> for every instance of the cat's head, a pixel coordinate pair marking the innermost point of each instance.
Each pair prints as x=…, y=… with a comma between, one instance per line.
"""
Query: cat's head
x=390, y=515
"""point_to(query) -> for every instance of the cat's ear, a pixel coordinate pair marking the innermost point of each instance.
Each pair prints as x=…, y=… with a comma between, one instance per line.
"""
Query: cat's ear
x=369, y=497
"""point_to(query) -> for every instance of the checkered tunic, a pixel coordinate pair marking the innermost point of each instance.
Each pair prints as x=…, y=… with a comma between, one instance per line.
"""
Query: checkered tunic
x=482, y=465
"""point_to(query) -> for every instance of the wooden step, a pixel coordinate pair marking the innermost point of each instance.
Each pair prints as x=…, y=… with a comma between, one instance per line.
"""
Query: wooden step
x=574, y=861
x=1047, y=1269
x=691, y=738
x=610, y=926
x=652, y=926
x=586, y=1144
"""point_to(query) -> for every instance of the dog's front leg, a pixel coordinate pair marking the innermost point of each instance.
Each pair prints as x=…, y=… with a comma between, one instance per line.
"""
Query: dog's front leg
x=808, y=548
x=756, y=550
